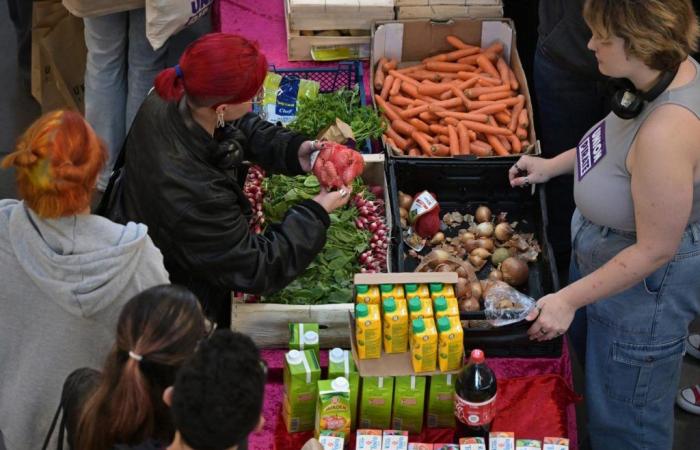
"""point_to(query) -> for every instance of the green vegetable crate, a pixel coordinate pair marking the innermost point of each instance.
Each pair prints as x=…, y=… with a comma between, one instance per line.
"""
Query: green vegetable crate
x=268, y=323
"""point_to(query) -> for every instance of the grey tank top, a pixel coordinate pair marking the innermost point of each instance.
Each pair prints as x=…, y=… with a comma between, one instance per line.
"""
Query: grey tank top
x=602, y=183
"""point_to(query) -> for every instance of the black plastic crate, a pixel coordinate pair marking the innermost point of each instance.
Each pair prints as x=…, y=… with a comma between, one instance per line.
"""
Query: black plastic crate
x=463, y=188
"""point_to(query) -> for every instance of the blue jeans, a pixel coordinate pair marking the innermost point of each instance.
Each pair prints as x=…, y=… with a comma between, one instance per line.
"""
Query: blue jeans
x=636, y=340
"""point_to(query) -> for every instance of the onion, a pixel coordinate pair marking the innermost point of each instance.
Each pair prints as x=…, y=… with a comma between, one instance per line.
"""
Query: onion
x=486, y=244
x=476, y=290
x=481, y=253
x=440, y=256
x=443, y=268
x=477, y=261
x=471, y=245
x=405, y=201
x=515, y=272
x=496, y=275
x=438, y=238
x=462, y=288
x=482, y=214
x=484, y=229
x=470, y=304
x=403, y=213
x=500, y=255
x=462, y=272
x=503, y=231
x=466, y=236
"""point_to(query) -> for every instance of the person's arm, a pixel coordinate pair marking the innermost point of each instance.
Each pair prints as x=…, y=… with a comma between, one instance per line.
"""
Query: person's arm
x=534, y=170
x=662, y=192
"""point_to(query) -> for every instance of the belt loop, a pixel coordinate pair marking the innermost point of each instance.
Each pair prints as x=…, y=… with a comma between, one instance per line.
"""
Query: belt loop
x=604, y=231
x=695, y=232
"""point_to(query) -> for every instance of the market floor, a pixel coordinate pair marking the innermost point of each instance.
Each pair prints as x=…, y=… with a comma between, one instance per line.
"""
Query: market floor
x=18, y=109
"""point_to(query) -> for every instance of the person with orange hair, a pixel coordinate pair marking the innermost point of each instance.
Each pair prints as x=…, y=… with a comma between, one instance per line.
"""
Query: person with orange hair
x=66, y=274
x=182, y=169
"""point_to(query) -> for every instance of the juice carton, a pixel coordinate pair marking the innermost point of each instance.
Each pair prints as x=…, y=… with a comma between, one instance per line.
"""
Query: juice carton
x=501, y=441
x=301, y=374
x=450, y=343
x=420, y=446
x=368, y=440
x=368, y=331
x=445, y=447
x=333, y=406
x=446, y=307
x=424, y=345
x=440, y=289
x=375, y=402
x=420, y=307
x=418, y=290
x=409, y=403
x=441, y=401
x=555, y=443
x=391, y=290
x=367, y=294
x=395, y=440
x=332, y=440
x=528, y=444
x=304, y=336
x=472, y=443
x=341, y=364
x=395, y=325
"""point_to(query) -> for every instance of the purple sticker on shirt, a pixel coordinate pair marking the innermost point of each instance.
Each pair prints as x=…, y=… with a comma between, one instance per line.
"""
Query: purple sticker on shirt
x=591, y=150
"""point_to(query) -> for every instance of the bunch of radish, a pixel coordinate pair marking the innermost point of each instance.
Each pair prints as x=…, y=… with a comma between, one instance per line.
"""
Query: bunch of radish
x=372, y=219
x=253, y=191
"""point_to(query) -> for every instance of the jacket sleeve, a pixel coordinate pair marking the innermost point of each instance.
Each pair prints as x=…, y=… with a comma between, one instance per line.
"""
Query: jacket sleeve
x=215, y=244
x=274, y=147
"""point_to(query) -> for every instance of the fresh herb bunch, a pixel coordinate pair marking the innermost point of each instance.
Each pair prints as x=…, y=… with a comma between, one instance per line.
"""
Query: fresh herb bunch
x=315, y=114
x=328, y=279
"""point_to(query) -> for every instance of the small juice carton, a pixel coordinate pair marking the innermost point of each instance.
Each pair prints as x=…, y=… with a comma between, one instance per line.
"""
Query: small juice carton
x=420, y=308
x=424, y=345
x=501, y=441
x=333, y=406
x=450, y=343
x=395, y=325
x=341, y=364
x=395, y=440
x=445, y=307
x=418, y=290
x=445, y=447
x=376, y=401
x=332, y=440
x=419, y=446
x=301, y=374
x=440, y=289
x=472, y=443
x=368, y=440
x=304, y=336
x=367, y=294
x=368, y=331
x=441, y=401
x=555, y=443
x=528, y=444
x=409, y=403
x=391, y=290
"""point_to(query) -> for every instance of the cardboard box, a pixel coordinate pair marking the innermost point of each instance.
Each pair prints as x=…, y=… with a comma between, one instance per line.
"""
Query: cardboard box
x=409, y=403
x=445, y=447
x=441, y=401
x=410, y=41
x=555, y=443
x=395, y=440
x=472, y=443
x=375, y=402
x=368, y=440
x=501, y=441
x=528, y=444
x=419, y=446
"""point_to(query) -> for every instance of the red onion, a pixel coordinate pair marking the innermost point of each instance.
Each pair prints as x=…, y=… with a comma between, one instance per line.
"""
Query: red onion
x=253, y=191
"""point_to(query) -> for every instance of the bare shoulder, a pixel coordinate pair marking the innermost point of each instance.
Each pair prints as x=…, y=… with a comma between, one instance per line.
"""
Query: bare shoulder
x=672, y=131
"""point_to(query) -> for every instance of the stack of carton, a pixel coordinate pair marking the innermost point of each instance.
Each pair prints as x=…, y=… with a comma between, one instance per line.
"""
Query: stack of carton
x=448, y=9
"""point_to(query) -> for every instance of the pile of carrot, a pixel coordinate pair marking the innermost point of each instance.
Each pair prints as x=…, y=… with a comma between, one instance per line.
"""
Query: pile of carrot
x=463, y=102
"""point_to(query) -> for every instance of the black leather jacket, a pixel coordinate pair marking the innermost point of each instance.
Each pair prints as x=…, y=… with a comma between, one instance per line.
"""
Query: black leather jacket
x=186, y=188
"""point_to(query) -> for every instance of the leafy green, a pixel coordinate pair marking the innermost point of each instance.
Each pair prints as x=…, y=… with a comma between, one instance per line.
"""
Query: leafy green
x=316, y=113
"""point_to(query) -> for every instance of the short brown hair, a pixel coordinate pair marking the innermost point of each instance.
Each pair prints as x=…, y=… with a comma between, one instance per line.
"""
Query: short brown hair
x=661, y=33
x=57, y=161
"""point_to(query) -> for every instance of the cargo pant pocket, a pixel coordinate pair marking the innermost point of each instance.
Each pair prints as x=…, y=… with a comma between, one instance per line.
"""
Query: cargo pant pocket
x=641, y=373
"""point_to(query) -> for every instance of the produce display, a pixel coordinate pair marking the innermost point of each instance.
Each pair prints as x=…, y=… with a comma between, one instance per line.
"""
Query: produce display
x=463, y=102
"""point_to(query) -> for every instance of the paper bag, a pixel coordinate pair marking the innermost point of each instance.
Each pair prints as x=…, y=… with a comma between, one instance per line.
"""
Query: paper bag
x=45, y=15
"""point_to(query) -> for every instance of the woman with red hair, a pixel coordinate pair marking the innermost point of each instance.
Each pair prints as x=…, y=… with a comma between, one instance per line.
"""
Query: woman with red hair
x=65, y=274
x=181, y=173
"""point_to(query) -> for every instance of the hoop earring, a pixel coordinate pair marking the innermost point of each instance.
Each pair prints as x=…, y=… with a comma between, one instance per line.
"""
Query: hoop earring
x=220, y=119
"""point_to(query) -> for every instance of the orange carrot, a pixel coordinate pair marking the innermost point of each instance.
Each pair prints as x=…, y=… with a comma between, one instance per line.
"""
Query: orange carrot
x=454, y=140
x=501, y=117
x=496, y=96
x=482, y=118
x=505, y=142
x=513, y=80
x=400, y=141
x=403, y=77
x=477, y=91
x=523, y=119
x=422, y=141
x=464, y=142
x=414, y=152
x=478, y=104
x=496, y=47
x=472, y=135
x=409, y=89
x=441, y=150
x=460, y=95
x=491, y=109
x=403, y=127
x=497, y=146
x=481, y=148
x=443, y=139
x=446, y=104
x=395, y=87
x=438, y=66
x=419, y=125
x=413, y=111
x=390, y=65
x=457, y=42
x=400, y=100
x=503, y=71
x=484, y=128
x=433, y=88
x=386, y=108
x=515, y=143
x=428, y=117
x=485, y=81
x=516, y=113
x=438, y=129
x=450, y=121
x=521, y=133
x=487, y=66
x=410, y=69
x=461, y=53
x=379, y=74
x=388, y=83
x=446, y=95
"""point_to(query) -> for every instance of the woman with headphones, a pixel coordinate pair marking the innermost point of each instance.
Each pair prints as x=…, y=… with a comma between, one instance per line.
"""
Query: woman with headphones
x=636, y=231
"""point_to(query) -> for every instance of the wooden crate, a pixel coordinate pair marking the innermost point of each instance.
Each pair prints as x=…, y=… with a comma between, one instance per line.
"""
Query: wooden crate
x=268, y=323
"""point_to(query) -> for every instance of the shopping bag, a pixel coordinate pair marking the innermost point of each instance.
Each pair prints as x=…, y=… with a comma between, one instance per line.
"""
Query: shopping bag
x=166, y=17
x=94, y=8
x=45, y=15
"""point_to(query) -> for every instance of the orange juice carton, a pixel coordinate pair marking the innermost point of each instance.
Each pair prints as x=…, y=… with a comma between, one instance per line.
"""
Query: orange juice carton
x=501, y=441
x=367, y=294
x=391, y=290
x=395, y=325
x=368, y=440
x=420, y=308
x=555, y=443
x=368, y=329
x=450, y=343
x=528, y=444
x=445, y=307
x=424, y=343
x=395, y=440
x=441, y=289
x=472, y=443
x=418, y=290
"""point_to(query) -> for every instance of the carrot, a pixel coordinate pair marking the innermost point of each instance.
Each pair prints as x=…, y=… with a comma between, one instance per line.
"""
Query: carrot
x=457, y=42
x=460, y=95
x=484, y=128
x=505, y=142
x=451, y=121
x=409, y=89
x=513, y=80
x=515, y=143
x=445, y=104
x=388, y=83
x=496, y=95
x=523, y=119
x=478, y=104
x=482, y=118
x=419, y=125
x=414, y=152
x=410, y=69
x=477, y=91
x=428, y=117
x=496, y=47
x=443, y=139
x=395, y=87
x=491, y=109
x=464, y=142
x=379, y=74
x=422, y=141
x=464, y=75
x=441, y=150
x=498, y=148
x=501, y=117
x=485, y=81
x=516, y=113
x=386, y=108
x=481, y=148
x=414, y=111
x=390, y=65
x=471, y=59
x=503, y=71
x=454, y=140
x=446, y=95
x=403, y=127
x=487, y=66
x=472, y=135
x=400, y=100
x=462, y=53
x=403, y=77
x=438, y=66
x=438, y=129
x=521, y=133
x=433, y=89
x=400, y=141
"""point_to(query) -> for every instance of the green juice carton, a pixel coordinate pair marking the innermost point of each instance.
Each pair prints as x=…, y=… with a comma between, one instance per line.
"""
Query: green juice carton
x=341, y=364
x=304, y=336
x=441, y=401
x=375, y=402
x=301, y=374
x=409, y=403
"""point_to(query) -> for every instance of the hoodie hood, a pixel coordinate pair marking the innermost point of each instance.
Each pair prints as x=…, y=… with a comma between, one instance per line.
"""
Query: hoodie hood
x=81, y=262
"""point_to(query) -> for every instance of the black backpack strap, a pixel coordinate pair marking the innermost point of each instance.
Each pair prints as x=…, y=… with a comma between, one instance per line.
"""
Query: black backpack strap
x=53, y=427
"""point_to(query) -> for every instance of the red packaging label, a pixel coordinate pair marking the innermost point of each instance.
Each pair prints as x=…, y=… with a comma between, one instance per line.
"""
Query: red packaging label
x=474, y=414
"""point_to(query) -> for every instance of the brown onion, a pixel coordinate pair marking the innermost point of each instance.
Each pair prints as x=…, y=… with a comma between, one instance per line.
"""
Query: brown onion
x=496, y=275
x=469, y=304
x=515, y=271
x=481, y=253
x=438, y=238
x=462, y=272
x=405, y=201
x=484, y=229
x=403, y=213
x=477, y=290
x=482, y=214
x=503, y=231
x=462, y=288
x=477, y=261
x=486, y=244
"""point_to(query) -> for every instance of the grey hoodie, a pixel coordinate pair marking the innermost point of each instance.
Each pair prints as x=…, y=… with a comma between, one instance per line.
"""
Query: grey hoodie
x=63, y=283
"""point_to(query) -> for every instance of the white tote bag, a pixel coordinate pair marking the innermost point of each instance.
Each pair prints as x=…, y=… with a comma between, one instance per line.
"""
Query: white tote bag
x=166, y=17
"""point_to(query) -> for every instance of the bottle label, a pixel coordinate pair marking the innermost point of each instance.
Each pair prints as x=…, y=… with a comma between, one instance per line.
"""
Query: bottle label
x=474, y=414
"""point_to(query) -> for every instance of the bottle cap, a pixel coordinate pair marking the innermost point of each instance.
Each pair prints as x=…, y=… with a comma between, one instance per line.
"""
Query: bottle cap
x=311, y=338
x=361, y=310
x=340, y=384
x=386, y=288
x=415, y=304
x=295, y=357
x=337, y=355
x=418, y=326
x=390, y=305
x=435, y=287
x=440, y=304
x=443, y=324
x=362, y=288
x=411, y=287
x=477, y=356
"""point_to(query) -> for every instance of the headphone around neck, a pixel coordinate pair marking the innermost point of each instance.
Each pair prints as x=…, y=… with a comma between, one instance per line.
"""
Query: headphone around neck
x=627, y=102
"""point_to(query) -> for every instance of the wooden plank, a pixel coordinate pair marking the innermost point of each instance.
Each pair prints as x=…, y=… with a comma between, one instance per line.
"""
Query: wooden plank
x=406, y=277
